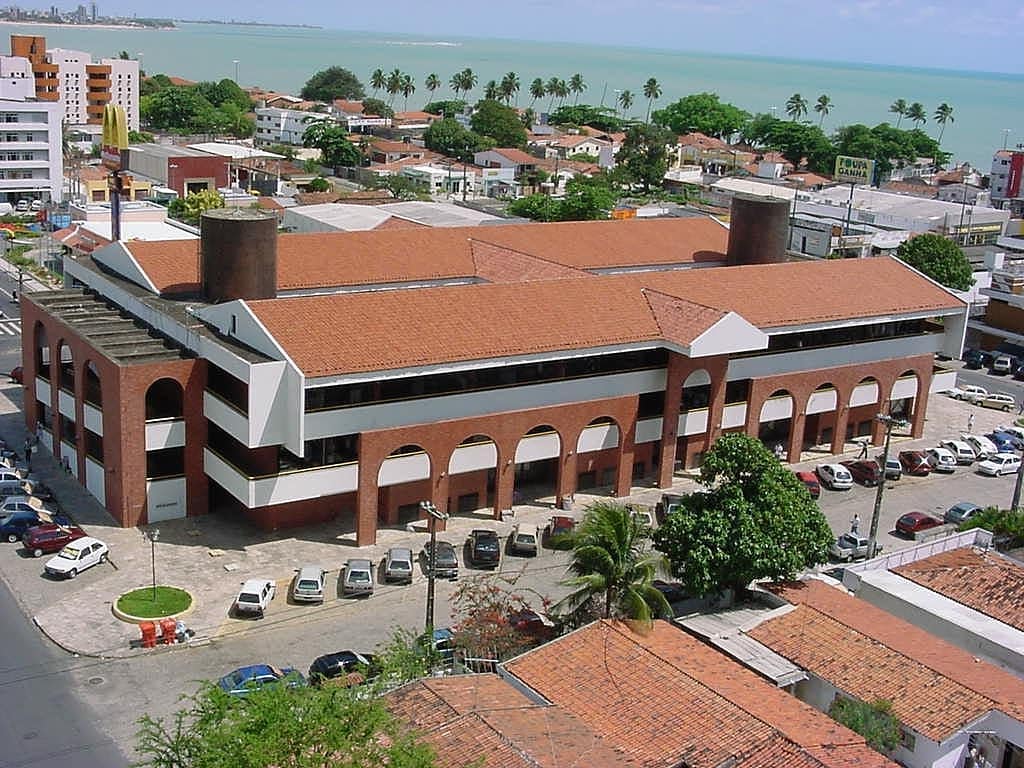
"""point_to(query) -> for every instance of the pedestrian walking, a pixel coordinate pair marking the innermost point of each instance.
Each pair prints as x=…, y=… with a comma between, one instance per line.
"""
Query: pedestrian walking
x=863, y=449
x=28, y=456
x=970, y=423
x=1020, y=410
x=855, y=523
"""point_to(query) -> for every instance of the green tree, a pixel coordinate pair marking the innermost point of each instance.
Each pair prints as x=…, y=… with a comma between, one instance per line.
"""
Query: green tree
x=644, y=155
x=332, y=83
x=757, y=131
x=483, y=609
x=501, y=123
x=551, y=89
x=319, y=184
x=823, y=106
x=702, y=112
x=393, y=85
x=537, y=91
x=943, y=115
x=432, y=83
x=796, y=107
x=536, y=207
x=469, y=80
x=450, y=138
x=603, y=118
x=176, y=109
x=151, y=85
x=613, y=568
x=372, y=106
x=224, y=92
x=799, y=141
x=577, y=86
x=456, y=84
x=528, y=117
x=652, y=91
x=899, y=108
x=753, y=520
x=916, y=114
x=872, y=720
x=332, y=141
x=191, y=209
x=408, y=88
x=491, y=91
x=378, y=80
x=286, y=150
x=140, y=137
x=938, y=258
x=586, y=199
x=1006, y=524
x=626, y=100
x=510, y=87
x=448, y=108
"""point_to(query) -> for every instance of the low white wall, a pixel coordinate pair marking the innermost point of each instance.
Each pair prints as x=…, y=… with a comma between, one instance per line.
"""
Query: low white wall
x=598, y=438
x=404, y=469
x=904, y=388
x=69, y=452
x=648, y=430
x=822, y=402
x=165, y=433
x=95, y=480
x=43, y=391
x=227, y=418
x=66, y=404
x=693, y=422
x=165, y=499
x=734, y=415
x=776, y=408
x=470, y=458
x=864, y=394
x=307, y=484
x=538, y=447
x=93, y=419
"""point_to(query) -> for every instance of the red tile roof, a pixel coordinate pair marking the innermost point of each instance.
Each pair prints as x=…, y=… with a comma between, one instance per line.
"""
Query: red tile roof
x=482, y=717
x=702, y=141
x=935, y=688
x=666, y=699
x=980, y=579
x=517, y=156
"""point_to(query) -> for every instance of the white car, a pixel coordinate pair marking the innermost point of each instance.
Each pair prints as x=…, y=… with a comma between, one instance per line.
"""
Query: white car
x=941, y=459
x=76, y=557
x=1000, y=464
x=309, y=584
x=963, y=452
x=983, y=447
x=999, y=401
x=835, y=476
x=254, y=597
x=969, y=392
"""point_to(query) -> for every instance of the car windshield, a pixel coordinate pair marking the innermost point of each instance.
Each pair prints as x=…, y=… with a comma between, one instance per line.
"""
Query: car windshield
x=848, y=540
x=526, y=538
x=309, y=584
x=248, y=597
x=487, y=544
x=358, y=576
x=71, y=553
x=401, y=565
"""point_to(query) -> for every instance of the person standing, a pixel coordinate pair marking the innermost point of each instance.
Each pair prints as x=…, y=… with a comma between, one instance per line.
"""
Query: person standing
x=863, y=449
x=28, y=455
x=855, y=524
x=970, y=423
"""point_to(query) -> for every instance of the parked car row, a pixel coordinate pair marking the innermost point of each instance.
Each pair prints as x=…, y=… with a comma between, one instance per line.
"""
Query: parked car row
x=998, y=363
x=972, y=393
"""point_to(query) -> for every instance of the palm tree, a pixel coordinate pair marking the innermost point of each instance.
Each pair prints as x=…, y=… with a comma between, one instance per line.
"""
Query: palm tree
x=408, y=88
x=432, y=83
x=510, y=87
x=537, y=91
x=491, y=91
x=823, y=107
x=943, y=115
x=577, y=86
x=916, y=114
x=611, y=562
x=796, y=106
x=562, y=91
x=652, y=91
x=394, y=84
x=626, y=100
x=456, y=83
x=528, y=118
x=899, y=108
x=377, y=80
x=469, y=80
x=551, y=89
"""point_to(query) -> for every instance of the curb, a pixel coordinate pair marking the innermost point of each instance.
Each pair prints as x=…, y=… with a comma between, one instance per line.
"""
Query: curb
x=129, y=619
x=65, y=648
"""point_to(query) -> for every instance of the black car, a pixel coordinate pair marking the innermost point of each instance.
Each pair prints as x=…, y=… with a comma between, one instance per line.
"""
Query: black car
x=484, y=548
x=354, y=668
x=973, y=359
x=446, y=564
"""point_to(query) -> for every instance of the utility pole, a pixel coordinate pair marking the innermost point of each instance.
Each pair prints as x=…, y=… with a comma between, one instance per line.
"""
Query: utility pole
x=890, y=422
x=1015, y=504
x=433, y=515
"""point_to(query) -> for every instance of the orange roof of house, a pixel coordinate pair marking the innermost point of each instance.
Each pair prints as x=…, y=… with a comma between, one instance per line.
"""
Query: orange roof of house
x=483, y=717
x=666, y=699
x=386, y=145
x=416, y=115
x=702, y=141
x=572, y=140
x=935, y=688
x=980, y=579
x=516, y=155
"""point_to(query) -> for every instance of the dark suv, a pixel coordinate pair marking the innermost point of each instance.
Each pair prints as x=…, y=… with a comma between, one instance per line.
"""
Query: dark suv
x=484, y=548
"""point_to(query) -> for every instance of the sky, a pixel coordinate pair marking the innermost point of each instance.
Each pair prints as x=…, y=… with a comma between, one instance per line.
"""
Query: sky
x=981, y=35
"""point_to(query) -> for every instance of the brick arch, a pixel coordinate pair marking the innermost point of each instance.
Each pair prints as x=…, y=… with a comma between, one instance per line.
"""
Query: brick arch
x=462, y=441
x=40, y=343
x=165, y=399
x=58, y=357
x=92, y=382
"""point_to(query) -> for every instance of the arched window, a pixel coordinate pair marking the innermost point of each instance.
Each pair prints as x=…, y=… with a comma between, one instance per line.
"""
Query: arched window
x=164, y=400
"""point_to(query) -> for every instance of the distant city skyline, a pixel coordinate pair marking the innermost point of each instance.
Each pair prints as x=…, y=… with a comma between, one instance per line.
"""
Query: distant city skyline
x=980, y=36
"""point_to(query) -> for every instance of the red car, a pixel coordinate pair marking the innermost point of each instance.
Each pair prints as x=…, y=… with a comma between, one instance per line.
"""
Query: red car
x=810, y=480
x=44, y=539
x=915, y=522
x=915, y=463
x=17, y=375
x=867, y=473
x=557, y=533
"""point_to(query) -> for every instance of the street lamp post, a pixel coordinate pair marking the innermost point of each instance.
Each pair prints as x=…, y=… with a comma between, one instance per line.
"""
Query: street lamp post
x=890, y=422
x=153, y=535
x=433, y=515
x=235, y=62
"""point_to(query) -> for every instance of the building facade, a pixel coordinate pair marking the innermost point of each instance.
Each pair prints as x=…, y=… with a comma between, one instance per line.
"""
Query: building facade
x=31, y=160
x=352, y=375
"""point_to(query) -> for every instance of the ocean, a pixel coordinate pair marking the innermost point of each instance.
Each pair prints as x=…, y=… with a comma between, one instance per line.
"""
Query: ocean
x=282, y=58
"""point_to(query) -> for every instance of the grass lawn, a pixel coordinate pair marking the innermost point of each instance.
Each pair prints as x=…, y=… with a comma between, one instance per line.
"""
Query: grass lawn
x=139, y=602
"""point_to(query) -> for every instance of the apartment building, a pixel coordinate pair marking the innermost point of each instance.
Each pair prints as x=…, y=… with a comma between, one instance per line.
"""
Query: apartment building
x=1005, y=180
x=81, y=85
x=278, y=125
x=308, y=377
x=31, y=161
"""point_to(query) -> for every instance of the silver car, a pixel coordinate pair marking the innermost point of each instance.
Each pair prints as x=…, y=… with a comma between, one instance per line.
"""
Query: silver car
x=309, y=584
x=852, y=546
x=357, y=578
x=398, y=565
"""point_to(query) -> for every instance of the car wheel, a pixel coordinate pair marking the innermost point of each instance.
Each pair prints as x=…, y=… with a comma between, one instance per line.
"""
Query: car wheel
x=37, y=553
x=103, y=558
x=12, y=538
x=72, y=573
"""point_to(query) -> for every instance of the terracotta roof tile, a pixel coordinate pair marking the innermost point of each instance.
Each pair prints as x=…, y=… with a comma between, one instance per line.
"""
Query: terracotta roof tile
x=935, y=687
x=703, y=141
x=660, y=699
x=517, y=156
x=980, y=579
x=504, y=265
x=680, y=320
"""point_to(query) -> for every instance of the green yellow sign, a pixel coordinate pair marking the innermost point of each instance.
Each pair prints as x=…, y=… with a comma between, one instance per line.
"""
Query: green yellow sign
x=854, y=170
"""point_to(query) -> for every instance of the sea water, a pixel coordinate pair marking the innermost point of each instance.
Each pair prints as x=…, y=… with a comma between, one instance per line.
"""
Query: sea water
x=281, y=58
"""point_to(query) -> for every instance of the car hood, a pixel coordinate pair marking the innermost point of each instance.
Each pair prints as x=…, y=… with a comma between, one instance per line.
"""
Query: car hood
x=59, y=563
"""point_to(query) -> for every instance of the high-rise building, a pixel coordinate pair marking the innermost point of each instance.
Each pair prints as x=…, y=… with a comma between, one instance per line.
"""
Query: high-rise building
x=82, y=86
x=31, y=162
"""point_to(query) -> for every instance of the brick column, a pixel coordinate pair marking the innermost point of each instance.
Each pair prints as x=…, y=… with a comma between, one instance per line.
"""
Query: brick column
x=504, y=483
x=627, y=452
x=439, y=497
x=796, y=434
x=675, y=374
x=716, y=404
x=366, y=500
x=842, y=420
x=567, y=476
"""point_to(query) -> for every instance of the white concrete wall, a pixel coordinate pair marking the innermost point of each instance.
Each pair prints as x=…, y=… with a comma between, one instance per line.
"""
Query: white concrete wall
x=227, y=477
x=470, y=458
x=93, y=418
x=227, y=418
x=776, y=408
x=693, y=422
x=648, y=430
x=165, y=433
x=734, y=415
x=404, y=469
x=66, y=404
x=904, y=388
x=822, y=402
x=305, y=484
x=270, y=409
x=598, y=438
x=68, y=451
x=864, y=394
x=943, y=380
x=165, y=499
x=43, y=391
x=95, y=480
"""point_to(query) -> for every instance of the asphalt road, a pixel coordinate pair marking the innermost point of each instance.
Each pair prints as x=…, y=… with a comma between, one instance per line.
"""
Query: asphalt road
x=1002, y=384
x=43, y=723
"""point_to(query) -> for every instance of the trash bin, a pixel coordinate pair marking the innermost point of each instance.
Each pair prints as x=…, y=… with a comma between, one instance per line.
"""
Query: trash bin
x=148, y=629
x=168, y=630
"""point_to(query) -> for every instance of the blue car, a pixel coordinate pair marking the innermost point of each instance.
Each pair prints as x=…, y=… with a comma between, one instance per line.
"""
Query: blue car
x=1004, y=442
x=14, y=525
x=245, y=680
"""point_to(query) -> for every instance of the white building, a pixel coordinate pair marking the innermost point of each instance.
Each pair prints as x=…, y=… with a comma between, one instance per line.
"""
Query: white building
x=31, y=161
x=85, y=83
x=275, y=125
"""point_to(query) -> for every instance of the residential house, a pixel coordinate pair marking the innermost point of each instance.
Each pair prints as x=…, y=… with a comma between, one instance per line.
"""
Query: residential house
x=277, y=125
x=712, y=154
x=413, y=120
x=352, y=115
x=950, y=704
x=576, y=144
x=93, y=185
x=31, y=156
x=387, y=151
x=608, y=695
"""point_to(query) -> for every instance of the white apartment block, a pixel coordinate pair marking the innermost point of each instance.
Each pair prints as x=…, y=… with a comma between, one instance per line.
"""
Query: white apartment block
x=87, y=86
x=31, y=162
x=275, y=125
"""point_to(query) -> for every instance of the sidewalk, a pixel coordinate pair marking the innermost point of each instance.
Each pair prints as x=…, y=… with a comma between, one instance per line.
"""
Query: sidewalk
x=212, y=555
